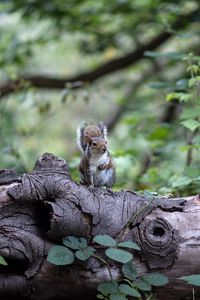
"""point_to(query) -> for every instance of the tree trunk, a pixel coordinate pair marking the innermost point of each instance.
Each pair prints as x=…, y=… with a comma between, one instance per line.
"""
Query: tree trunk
x=40, y=208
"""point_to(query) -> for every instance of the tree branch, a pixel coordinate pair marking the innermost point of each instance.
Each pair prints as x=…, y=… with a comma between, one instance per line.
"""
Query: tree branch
x=127, y=98
x=130, y=93
x=114, y=65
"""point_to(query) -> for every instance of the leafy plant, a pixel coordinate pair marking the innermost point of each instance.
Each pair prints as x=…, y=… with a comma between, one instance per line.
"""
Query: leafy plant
x=131, y=285
x=2, y=261
x=191, y=279
x=185, y=92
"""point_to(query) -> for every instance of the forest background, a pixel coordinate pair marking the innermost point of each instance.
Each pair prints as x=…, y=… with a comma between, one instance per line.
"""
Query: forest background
x=133, y=64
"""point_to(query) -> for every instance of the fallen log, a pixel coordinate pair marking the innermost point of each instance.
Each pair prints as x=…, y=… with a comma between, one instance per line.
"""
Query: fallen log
x=38, y=209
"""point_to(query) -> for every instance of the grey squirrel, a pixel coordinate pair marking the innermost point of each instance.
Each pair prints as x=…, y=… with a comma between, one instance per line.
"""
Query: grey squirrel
x=96, y=166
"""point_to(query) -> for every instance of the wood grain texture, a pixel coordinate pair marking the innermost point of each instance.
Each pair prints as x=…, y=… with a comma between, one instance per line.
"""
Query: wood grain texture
x=38, y=209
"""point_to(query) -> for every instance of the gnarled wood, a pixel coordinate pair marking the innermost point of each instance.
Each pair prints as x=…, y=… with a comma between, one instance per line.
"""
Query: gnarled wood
x=40, y=208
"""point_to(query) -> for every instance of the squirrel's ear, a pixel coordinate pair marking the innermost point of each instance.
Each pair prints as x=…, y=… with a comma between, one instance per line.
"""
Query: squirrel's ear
x=105, y=131
x=87, y=139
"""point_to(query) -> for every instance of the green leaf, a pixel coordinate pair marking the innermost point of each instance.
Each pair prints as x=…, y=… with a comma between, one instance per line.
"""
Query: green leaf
x=100, y=296
x=192, y=172
x=129, y=244
x=129, y=291
x=181, y=182
x=191, y=124
x=85, y=253
x=159, y=85
x=142, y=285
x=192, y=279
x=190, y=113
x=108, y=287
x=74, y=242
x=117, y=296
x=159, y=133
x=60, y=255
x=171, y=96
x=193, y=68
x=153, y=54
x=129, y=270
x=170, y=55
x=119, y=255
x=105, y=240
x=194, y=81
x=2, y=261
x=150, y=195
x=191, y=82
x=182, y=97
x=156, y=279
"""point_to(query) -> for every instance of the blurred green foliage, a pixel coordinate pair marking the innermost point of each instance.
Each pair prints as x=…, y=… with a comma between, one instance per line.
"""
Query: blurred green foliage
x=62, y=38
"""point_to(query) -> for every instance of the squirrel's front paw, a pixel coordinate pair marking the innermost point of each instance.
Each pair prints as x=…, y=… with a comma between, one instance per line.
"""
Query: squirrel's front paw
x=90, y=187
x=102, y=167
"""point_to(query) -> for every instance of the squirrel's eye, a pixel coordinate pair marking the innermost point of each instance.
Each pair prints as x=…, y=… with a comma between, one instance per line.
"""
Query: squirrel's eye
x=94, y=144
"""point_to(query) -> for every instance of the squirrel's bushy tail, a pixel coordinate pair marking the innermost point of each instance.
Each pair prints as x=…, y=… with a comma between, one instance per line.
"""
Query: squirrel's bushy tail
x=90, y=130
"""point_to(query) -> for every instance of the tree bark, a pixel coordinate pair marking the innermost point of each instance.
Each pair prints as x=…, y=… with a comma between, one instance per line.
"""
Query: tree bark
x=77, y=81
x=38, y=209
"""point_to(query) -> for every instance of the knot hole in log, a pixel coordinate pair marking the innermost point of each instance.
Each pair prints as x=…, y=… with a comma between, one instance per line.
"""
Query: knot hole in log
x=158, y=231
x=159, y=242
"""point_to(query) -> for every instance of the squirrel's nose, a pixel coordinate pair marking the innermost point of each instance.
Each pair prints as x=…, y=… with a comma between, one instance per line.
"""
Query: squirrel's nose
x=104, y=149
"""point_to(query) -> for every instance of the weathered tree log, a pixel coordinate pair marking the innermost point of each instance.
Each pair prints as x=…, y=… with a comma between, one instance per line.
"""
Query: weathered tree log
x=40, y=208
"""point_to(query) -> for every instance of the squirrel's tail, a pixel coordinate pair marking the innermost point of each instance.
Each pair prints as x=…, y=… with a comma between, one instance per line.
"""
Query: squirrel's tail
x=89, y=130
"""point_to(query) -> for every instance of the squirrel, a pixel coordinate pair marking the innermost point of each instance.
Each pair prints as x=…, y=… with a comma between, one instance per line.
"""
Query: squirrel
x=96, y=167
